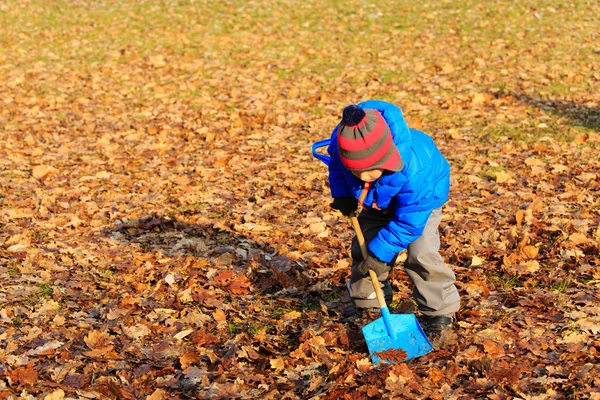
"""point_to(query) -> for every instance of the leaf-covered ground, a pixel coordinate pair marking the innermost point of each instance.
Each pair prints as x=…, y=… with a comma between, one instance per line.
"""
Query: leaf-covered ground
x=165, y=231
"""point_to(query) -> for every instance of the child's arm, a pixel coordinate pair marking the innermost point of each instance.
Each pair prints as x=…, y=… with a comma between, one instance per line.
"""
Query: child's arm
x=412, y=207
x=401, y=231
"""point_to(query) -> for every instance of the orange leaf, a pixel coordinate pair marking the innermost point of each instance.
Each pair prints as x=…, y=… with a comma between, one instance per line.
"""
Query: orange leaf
x=25, y=375
x=277, y=363
x=96, y=340
x=578, y=238
x=519, y=216
x=530, y=252
x=188, y=359
x=224, y=277
x=220, y=316
x=492, y=348
x=240, y=285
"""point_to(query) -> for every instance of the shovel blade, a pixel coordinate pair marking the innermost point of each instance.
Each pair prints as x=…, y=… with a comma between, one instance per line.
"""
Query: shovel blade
x=407, y=340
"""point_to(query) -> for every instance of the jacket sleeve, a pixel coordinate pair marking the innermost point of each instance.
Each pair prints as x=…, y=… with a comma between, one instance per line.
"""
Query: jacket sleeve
x=412, y=208
x=402, y=230
x=337, y=183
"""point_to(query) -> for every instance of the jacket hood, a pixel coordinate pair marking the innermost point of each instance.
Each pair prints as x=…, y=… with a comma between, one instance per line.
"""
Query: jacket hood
x=400, y=131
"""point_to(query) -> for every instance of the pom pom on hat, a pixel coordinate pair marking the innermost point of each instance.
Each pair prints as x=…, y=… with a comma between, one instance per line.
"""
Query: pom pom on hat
x=352, y=115
x=365, y=142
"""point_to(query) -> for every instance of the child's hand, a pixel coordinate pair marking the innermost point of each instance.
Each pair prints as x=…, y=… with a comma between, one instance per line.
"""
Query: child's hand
x=347, y=205
x=372, y=263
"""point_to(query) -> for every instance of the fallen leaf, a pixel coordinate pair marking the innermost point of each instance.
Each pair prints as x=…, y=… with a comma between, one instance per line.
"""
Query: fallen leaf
x=26, y=375
x=494, y=349
x=578, y=238
x=504, y=177
x=476, y=261
x=158, y=394
x=277, y=364
x=530, y=252
x=17, y=248
x=188, y=358
x=591, y=325
x=58, y=394
x=40, y=172
x=220, y=316
x=103, y=175
x=292, y=315
x=170, y=279
x=137, y=331
x=183, y=334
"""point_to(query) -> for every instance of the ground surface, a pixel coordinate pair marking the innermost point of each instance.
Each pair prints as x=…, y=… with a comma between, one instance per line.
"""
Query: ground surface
x=164, y=230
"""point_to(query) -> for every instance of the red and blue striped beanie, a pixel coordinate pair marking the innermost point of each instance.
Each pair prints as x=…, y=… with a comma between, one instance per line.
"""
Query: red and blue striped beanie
x=365, y=141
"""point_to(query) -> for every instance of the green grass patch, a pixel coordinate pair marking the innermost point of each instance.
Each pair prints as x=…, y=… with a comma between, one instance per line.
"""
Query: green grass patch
x=562, y=286
x=235, y=327
x=491, y=172
x=17, y=322
x=330, y=296
x=256, y=328
x=45, y=290
x=506, y=282
x=513, y=282
x=316, y=111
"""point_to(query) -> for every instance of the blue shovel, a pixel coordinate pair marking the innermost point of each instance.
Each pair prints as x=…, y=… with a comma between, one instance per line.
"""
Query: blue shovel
x=392, y=338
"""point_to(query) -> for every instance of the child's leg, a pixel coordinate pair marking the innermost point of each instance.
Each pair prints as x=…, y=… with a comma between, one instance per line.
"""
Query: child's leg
x=360, y=286
x=434, y=290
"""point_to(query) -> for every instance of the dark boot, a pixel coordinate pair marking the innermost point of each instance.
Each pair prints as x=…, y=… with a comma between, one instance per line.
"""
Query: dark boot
x=434, y=325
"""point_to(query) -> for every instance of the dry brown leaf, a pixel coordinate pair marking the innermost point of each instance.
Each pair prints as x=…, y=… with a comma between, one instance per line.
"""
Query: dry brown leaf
x=578, y=238
x=25, y=375
x=530, y=252
x=476, y=261
x=40, y=172
x=158, y=394
x=220, y=316
x=58, y=394
x=504, y=177
x=277, y=364
x=164, y=183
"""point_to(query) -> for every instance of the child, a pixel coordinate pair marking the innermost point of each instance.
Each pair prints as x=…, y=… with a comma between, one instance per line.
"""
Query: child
x=401, y=180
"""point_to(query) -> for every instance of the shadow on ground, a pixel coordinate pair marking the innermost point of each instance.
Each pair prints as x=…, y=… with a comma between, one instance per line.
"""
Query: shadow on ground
x=271, y=275
x=578, y=114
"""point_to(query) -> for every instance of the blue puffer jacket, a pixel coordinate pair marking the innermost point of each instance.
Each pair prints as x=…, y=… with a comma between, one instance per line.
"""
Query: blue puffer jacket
x=409, y=195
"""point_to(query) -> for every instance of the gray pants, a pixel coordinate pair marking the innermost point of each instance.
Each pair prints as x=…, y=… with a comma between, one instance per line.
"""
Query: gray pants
x=434, y=289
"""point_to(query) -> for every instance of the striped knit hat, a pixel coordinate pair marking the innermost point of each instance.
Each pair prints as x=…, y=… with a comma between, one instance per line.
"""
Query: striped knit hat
x=365, y=142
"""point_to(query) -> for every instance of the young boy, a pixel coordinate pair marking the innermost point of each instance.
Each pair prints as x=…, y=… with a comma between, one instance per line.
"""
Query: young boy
x=401, y=180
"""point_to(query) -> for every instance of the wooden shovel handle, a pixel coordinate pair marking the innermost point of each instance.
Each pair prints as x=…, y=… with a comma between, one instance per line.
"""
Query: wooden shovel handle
x=363, y=249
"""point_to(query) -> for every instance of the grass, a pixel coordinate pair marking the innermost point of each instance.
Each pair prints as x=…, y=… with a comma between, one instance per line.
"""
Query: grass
x=69, y=64
x=254, y=329
x=491, y=172
x=299, y=47
x=330, y=296
x=235, y=327
x=316, y=111
x=562, y=286
x=10, y=175
x=193, y=208
x=499, y=280
x=512, y=282
x=17, y=322
x=45, y=290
